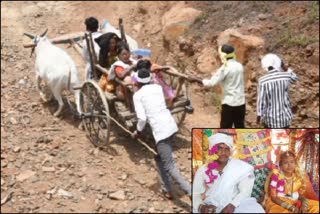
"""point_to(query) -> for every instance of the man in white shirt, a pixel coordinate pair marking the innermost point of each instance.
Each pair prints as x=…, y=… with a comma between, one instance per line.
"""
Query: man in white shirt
x=150, y=106
x=231, y=189
x=92, y=26
x=231, y=75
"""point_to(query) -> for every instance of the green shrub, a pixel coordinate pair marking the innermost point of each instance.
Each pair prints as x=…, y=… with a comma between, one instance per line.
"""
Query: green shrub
x=203, y=16
x=313, y=12
x=289, y=38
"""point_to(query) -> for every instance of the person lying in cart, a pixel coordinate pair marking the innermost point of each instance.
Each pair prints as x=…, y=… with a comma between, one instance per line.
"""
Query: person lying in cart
x=150, y=106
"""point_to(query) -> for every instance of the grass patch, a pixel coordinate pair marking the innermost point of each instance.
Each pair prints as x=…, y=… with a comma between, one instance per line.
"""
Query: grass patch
x=201, y=18
x=301, y=40
x=261, y=7
x=313, y=12
x=289, y=38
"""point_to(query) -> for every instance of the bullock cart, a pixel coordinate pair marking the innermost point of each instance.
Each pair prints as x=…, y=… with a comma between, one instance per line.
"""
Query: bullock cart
x=99, y=108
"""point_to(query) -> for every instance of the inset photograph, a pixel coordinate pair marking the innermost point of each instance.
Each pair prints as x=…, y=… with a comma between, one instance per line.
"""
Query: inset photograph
x=255, y=170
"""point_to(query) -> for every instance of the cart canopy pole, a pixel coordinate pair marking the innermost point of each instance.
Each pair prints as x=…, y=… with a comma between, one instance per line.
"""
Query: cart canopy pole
x=90, y=56
x=123, y=35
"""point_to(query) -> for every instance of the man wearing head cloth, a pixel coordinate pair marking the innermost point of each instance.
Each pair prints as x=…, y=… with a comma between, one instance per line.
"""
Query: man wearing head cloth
x=230, y=74
x=150, y=106
x=273, y=103
x=231, y=190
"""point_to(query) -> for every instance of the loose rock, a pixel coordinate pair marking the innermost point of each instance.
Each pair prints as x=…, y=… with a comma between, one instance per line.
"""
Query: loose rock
x=25, y=175
x=16, y=149
x=48, y=169
x=64, y=193
x=119, y=195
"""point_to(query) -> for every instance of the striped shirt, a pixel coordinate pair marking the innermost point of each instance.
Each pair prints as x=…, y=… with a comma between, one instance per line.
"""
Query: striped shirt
x=273, y=104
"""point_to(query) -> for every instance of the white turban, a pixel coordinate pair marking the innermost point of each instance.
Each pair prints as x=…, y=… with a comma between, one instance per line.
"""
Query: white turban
x=142, y=80
x=271, y=60
x=221, y=138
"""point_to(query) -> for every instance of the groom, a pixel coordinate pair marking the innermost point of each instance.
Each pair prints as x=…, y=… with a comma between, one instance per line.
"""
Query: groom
x=230, y=191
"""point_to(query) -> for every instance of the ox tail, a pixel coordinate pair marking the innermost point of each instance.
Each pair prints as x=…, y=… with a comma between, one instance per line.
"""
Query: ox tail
x=69, y=80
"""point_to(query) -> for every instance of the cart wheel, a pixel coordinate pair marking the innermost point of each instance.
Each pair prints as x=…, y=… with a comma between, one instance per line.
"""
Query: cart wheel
x=180, y=116
x=93, y=104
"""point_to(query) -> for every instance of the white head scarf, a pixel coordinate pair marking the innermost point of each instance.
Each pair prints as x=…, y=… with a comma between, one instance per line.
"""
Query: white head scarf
x=220, y=138
x=142, y=80
x=271, y=60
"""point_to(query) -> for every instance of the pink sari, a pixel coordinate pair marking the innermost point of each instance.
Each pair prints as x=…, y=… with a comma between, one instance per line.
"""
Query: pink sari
x=168, y=91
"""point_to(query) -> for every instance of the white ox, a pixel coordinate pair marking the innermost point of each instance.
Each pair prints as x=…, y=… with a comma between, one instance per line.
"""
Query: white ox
x=56, y=68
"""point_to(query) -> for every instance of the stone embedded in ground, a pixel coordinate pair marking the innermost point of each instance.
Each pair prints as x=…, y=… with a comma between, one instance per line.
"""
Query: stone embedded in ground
x=118, y=195
x=25, y=175
x=151, y=210
x=262, y=16
x=100, y=196
x=13, y=121
x=64, y=193
x=124, y=177
x=16, y=149
x=44, y=139
x=48, y=169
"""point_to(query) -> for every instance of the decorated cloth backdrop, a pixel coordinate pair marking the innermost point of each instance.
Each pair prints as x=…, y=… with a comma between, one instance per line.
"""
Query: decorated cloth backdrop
x=254, y=147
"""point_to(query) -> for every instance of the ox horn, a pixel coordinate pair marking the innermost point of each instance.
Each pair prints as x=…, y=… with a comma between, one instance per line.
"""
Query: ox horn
x=44, y=33
x=31, y=36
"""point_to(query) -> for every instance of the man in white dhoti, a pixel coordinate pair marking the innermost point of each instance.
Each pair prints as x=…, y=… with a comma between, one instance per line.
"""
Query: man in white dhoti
x=231, y=188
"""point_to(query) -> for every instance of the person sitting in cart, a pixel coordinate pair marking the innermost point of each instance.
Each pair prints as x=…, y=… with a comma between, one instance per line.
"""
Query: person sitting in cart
x=169, y=92
x=149, y=105
x=108, y=44
x=122, y=69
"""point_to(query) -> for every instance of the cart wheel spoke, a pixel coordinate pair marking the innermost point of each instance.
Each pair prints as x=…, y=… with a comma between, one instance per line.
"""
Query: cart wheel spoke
x=94, y=103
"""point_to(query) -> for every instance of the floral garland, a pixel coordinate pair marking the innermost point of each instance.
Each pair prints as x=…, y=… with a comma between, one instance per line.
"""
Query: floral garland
x=277, y=181
x=213, y=164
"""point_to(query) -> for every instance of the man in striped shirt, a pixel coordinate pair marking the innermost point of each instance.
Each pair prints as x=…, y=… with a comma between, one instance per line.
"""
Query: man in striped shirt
x=273, y=104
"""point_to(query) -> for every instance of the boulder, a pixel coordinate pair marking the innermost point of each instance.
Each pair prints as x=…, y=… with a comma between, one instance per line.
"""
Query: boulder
x=207, y=61
x=178, y=20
